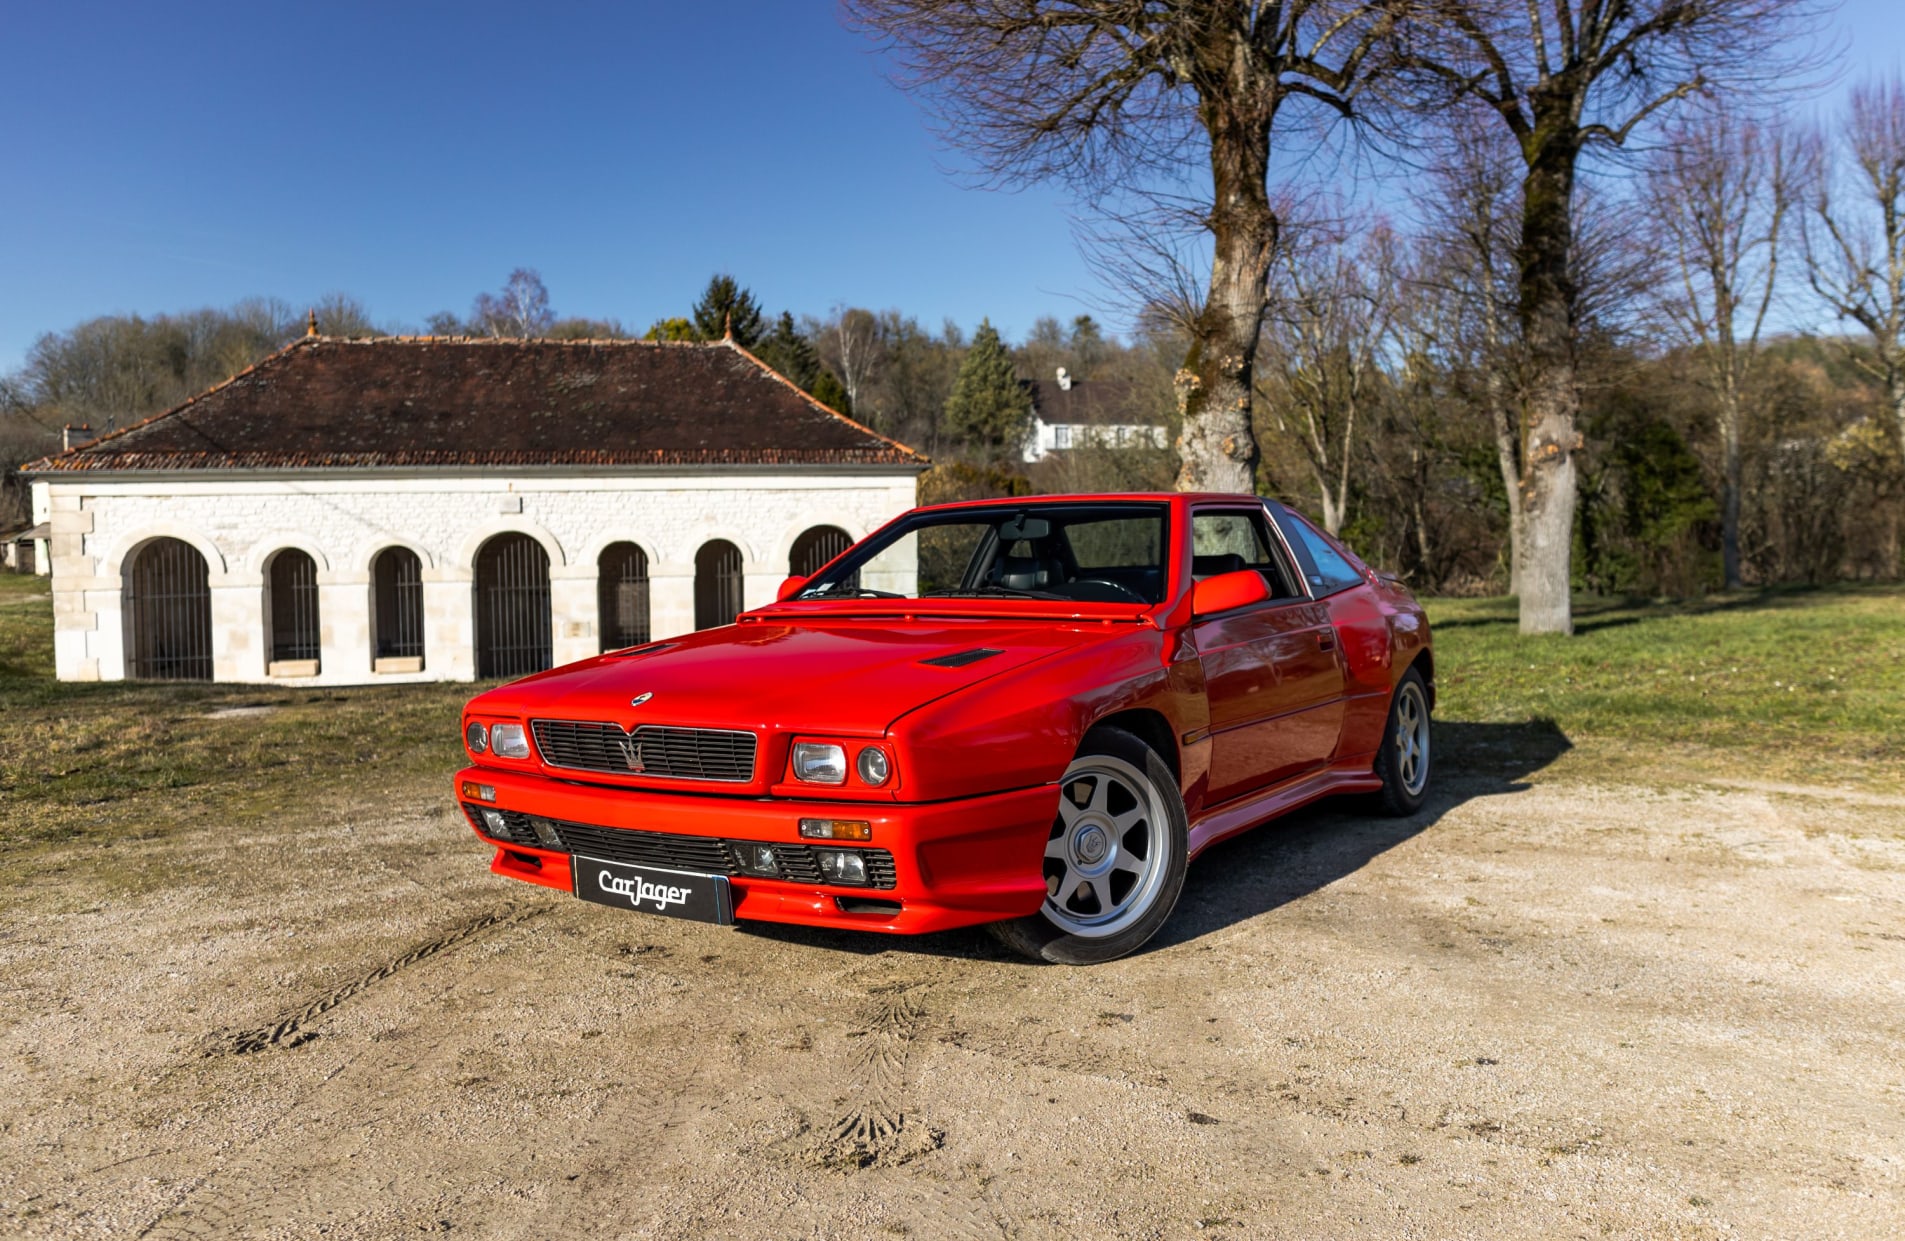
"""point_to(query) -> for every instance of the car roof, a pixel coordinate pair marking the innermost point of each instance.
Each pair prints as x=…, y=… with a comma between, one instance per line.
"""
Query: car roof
x=1152, y=497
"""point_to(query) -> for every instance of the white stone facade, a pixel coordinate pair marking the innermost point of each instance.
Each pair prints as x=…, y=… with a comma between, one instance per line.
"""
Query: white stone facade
x=344, y=519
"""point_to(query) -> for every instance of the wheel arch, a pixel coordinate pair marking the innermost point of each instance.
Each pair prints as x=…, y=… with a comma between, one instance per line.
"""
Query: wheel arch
x=1152, y=728
x=1424, y=662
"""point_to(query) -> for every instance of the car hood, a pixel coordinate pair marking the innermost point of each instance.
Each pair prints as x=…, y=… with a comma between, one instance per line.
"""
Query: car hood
x=838, y=676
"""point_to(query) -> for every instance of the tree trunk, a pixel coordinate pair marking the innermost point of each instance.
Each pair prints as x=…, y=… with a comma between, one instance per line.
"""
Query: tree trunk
x=1508, y=458
x=1730, y=483
x=1550, y=397
x=1217, y=446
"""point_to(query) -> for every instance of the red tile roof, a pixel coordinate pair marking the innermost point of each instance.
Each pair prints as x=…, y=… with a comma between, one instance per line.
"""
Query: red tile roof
x=324, y=403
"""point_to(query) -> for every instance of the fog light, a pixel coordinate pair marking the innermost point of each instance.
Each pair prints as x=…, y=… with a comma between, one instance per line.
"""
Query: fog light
x=755, y=859
x=874, y=768
x=498, y=826
x=481, y=792
x=836, y=829
x=545, y=833
x=509, y=741
x=476, y=737
x=841, y=865
x=818, y=763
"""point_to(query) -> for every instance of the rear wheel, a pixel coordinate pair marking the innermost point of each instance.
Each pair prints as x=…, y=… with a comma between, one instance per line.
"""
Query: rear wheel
x=1115, y=860
x=1403, y=761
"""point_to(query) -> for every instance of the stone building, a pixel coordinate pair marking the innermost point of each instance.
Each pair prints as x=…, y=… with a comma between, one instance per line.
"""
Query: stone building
x=407, y=509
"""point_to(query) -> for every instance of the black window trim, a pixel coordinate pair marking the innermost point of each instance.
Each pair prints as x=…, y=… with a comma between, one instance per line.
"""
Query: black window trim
x=1279, y=548
x=1282, y=519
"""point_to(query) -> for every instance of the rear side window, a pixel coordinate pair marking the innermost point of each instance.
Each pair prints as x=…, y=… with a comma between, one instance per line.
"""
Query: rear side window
x=1224, y=542
x=1328, y=569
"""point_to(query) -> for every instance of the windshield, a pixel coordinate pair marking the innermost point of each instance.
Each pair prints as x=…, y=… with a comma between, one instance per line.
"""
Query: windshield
x=1086, y=553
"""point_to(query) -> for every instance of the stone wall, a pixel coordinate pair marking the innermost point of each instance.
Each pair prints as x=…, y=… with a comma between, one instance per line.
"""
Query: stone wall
x=343, y=521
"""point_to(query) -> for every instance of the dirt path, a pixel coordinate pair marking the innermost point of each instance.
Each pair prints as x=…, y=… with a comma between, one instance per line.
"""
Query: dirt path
x=1548, y=1011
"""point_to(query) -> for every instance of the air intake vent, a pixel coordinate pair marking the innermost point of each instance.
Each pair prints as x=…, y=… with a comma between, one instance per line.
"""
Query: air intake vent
x=960, y=659
x=648, y=648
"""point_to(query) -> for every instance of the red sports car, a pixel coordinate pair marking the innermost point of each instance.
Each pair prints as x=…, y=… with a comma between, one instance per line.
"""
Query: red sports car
x=1031, y=713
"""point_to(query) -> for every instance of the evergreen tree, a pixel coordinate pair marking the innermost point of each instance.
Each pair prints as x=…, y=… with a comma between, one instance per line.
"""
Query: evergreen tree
x=790, y=353
x=726, y=309
x=989, y=408
x=829, y=391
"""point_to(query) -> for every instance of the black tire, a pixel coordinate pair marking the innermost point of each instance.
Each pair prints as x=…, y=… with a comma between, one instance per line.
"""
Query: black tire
x=1063, y=932
x=1405, y=785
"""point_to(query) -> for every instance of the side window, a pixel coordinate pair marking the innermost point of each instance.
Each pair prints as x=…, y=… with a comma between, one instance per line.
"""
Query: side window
x=1226, y=541
x=1328, y=570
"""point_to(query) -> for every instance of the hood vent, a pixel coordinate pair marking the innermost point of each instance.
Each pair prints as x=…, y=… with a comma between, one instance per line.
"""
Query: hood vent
x=646, y=649
x=960, y=659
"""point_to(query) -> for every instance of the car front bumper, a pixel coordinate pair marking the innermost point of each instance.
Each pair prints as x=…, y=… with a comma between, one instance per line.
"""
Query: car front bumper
x=955, y=863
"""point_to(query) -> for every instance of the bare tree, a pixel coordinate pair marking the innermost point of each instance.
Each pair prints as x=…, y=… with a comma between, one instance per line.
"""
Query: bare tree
x=1718, y=192
x=1106, y=95
x=1568, y=79
x=1466, y=275
x=520, y=310
x=849, y=341
x=1333, y=300
x=1855, y=244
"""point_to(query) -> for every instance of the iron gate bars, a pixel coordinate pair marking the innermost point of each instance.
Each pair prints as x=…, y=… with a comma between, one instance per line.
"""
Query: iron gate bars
x=397, y=603
x=815, y=547
x=717, y=584
x=622, y=596
x=512, y=608
x=294, y=606
x=168, y=602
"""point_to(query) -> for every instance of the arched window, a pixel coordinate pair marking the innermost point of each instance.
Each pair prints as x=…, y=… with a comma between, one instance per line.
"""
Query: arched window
x=717, y=584
x=291, y=613
x=622, y=596
x=815, y=548
x=512, y=607
x=168, y=609
x=396, y=608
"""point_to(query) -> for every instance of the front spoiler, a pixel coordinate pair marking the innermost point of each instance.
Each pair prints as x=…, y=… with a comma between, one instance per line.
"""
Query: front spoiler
x=957, y=863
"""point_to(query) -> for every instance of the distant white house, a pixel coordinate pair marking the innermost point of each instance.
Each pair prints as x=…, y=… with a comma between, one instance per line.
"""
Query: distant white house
x=422, y=509
x=1079, y=413
x=24, y=551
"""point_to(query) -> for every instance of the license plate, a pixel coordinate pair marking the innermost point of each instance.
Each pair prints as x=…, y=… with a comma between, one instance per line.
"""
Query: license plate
x=652, y=890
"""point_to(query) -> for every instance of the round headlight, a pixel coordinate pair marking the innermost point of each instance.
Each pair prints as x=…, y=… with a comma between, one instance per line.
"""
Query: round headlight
x=874, y=768
x=476, y=737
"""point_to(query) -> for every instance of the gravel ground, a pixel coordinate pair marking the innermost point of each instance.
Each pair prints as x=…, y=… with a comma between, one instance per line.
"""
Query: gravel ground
x=1545, y=1009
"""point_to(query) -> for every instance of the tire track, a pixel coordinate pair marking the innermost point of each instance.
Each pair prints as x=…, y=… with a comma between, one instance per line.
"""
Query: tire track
x=877, y=1125
x=287, y=1030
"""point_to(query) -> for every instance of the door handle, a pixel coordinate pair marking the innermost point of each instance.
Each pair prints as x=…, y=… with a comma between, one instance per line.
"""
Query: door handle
x=1325, y=640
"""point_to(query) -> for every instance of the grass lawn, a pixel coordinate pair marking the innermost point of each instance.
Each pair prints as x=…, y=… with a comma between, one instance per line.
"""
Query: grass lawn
x=1803, y=686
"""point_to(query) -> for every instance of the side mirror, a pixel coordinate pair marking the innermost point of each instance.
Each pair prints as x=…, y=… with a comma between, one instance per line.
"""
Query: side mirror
x=1225, y=591
x=789, y=588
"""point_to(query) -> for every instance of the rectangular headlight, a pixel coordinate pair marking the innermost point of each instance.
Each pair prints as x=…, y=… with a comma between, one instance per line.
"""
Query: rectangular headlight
x=814, y=761
x=842, y=866
x=508, y=741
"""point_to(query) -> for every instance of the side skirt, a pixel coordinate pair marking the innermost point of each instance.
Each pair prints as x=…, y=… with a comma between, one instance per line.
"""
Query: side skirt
x=1247, y=812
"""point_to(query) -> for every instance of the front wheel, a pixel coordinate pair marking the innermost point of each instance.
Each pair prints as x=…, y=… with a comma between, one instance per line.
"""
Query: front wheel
x=1403, y=761
x=1115, y=860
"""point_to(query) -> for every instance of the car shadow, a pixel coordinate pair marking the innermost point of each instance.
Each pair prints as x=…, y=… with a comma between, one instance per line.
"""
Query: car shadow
x=1277, y=862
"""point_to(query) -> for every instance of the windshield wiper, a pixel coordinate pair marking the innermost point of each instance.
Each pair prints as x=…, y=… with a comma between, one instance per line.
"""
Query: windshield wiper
x=991, y=589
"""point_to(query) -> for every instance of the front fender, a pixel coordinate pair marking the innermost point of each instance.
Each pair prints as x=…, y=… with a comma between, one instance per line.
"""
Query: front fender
x=1022, y=730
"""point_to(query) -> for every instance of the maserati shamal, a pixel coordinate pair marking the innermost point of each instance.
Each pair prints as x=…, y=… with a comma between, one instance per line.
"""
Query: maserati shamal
x=1031, y=713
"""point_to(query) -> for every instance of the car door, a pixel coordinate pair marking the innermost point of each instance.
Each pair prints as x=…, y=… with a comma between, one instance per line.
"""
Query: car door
x=1271, y=669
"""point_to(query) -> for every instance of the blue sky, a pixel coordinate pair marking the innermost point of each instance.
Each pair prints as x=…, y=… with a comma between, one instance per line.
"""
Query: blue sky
x=165, y=157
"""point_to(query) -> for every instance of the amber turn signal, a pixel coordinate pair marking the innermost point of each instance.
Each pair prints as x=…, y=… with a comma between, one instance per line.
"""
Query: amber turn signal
x=836, y=829
x=481, y=792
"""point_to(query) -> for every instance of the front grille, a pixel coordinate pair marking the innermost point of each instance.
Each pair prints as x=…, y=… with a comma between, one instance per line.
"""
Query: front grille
x=706, y=855
x=651, y=750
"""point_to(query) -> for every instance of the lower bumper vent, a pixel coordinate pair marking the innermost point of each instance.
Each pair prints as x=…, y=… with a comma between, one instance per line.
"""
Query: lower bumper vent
x=709, y=855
